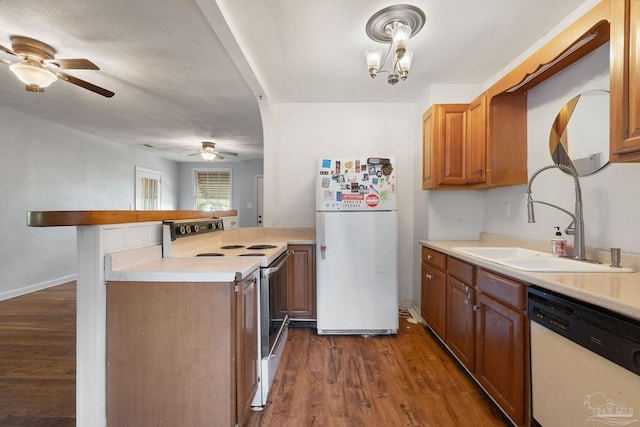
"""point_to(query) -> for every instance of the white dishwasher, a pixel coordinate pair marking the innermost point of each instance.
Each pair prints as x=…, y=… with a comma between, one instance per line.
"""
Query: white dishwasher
x=585, y=363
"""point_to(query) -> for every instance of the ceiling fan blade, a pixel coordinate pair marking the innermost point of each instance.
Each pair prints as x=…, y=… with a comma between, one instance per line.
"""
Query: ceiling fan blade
x=72, y=64
x=90, y=86
x=194, y=154
x=226, y=153
x=9, y=51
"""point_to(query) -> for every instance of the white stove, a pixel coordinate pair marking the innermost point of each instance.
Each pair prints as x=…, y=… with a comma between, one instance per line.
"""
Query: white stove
x=205, y=238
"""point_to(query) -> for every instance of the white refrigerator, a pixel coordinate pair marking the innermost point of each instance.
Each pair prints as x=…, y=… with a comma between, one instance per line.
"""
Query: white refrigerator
x=356, y=246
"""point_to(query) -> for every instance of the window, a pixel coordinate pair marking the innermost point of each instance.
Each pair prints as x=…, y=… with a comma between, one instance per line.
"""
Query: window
x=147, y=188
x=213, y=190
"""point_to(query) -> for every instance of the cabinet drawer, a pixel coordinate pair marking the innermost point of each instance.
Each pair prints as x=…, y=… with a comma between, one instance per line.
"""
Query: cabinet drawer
x=461, y=270
x=434, y=258
x=501, y=288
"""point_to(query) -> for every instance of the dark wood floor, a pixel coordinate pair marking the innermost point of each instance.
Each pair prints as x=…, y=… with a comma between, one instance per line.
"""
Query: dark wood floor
x=407, y=380
x=38, y=358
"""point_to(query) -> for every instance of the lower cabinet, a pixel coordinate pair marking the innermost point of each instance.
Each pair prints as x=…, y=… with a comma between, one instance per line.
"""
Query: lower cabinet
x=181, y=354
x=433, y=298
x=460, y=321
x=301, y=297
x=481, y=318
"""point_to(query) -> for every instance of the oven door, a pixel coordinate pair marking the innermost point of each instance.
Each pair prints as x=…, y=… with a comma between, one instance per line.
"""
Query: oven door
x=274, y=317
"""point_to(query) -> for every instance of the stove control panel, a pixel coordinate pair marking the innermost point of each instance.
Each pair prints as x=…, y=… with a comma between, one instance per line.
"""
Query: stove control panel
x=185, y=228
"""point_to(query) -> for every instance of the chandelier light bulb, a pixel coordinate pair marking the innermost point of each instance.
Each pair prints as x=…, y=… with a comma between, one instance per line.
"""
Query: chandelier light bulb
x=374, y=57
x=33, y=73
x=400, y=35
x=404, y=64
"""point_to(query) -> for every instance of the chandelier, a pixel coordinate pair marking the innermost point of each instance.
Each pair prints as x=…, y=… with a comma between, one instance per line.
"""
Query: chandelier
x=394, y=25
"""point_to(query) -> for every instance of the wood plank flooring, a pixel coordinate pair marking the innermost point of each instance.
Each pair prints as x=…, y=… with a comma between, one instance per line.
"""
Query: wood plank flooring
x=37, y=358
x=407, y=380
x=328, y=381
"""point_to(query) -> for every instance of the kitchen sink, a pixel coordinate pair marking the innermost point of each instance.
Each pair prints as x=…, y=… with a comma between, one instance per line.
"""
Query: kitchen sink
x=531, y=260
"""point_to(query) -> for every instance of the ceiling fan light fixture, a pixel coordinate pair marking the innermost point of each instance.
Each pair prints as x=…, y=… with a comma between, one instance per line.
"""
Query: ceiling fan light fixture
x=32, y=73
x=208, y=155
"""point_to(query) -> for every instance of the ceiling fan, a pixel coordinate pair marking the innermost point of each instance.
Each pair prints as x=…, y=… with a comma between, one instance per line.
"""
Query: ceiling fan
x=38, y=68
x=209, y=152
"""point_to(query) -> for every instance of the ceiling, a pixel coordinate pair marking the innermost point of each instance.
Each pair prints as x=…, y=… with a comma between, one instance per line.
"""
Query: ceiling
x=186, y=71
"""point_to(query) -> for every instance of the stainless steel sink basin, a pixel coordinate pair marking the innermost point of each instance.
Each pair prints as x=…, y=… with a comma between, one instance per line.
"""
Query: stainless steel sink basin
x=530, y=260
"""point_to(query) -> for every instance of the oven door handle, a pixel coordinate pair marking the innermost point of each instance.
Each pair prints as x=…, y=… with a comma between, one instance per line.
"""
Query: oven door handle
x=269, y=271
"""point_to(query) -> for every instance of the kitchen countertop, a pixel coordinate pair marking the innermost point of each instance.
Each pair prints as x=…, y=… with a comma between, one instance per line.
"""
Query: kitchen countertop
x=147, y=265
x=619, y=292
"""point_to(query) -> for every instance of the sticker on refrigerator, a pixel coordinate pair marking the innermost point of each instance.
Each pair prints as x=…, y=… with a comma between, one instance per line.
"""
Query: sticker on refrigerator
x=372, y=200
x=326, y=163
x=326, y=182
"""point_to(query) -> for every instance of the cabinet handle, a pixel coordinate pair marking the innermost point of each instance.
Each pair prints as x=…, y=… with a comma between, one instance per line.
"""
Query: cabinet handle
x=429, y=256
x=475, y=307
x=429, y=277
x=479, y=171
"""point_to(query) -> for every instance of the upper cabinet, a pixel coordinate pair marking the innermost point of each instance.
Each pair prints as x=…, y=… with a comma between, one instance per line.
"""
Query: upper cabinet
x=625, y=75
x=478, y=145
x=483, y=144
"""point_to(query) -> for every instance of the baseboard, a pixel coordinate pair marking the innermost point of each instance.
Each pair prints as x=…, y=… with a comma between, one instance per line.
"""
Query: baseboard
x=37, y=287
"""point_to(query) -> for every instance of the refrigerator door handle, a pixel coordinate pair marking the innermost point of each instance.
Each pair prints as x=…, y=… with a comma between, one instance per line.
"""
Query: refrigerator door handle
x=322, y=242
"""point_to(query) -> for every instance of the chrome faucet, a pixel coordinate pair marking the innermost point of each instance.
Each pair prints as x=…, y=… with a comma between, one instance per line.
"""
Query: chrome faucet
x=576, y=227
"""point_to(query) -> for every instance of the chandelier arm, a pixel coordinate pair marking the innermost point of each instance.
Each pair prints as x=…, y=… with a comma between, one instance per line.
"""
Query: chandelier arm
x=386, y=59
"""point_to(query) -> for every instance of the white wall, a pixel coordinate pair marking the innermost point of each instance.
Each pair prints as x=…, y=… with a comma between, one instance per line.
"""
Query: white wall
x=243, y=186
x=45, y=166
x=304, y=132
x=610, y=196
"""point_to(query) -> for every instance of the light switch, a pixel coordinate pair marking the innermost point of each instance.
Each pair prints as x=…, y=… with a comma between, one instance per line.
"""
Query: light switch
x=249, y=205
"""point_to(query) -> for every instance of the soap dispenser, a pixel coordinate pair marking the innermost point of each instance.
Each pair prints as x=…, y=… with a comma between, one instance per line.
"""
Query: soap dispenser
x=558, y=244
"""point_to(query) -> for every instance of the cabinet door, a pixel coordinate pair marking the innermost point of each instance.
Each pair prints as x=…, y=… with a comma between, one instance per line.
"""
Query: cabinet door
x=444, y=156
x=460, y=321
x=433, y=299
x=247, y=350
x=452, y=144
x=301, y=297
x=625, y=75
x=477, y=140
x=500, y=347
x=428, y=182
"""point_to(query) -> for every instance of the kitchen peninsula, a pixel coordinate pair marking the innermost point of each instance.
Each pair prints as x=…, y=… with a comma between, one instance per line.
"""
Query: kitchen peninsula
x=123, y=247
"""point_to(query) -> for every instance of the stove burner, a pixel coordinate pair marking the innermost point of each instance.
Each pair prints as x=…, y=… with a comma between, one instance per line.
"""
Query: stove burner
x=232, y=247
x=262, y=247
x=251, y=254
x=210, y=254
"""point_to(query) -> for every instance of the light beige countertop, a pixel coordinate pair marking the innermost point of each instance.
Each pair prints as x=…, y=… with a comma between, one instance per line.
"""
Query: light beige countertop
x=289, y=235
x=619, y=292
x=147, y=265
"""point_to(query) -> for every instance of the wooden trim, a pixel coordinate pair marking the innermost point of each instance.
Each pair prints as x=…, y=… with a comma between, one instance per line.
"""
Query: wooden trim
x=597, y=19
x=68, y=218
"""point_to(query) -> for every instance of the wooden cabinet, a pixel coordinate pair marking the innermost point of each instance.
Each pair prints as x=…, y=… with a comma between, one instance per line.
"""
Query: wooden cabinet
x=181, y=353
x=301, y=294
x=444, y=146
x=625, y=74
x=484, y=326
x=460, y=323
x=501, y=333
x=477, y=140
x=475, y=146
x=247, y=339
x=433, y=296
